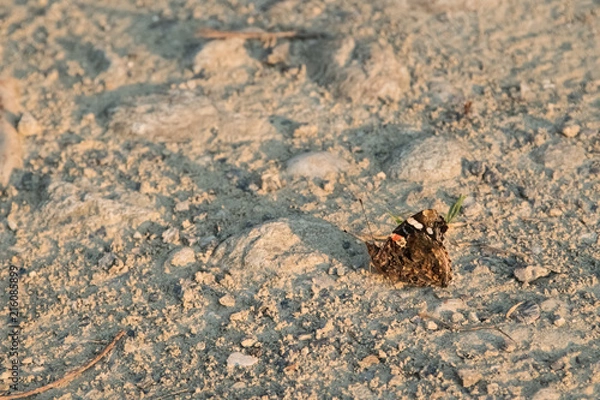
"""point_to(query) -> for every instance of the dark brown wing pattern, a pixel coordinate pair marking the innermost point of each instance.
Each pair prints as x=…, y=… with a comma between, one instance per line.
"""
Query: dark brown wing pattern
x=414, y=253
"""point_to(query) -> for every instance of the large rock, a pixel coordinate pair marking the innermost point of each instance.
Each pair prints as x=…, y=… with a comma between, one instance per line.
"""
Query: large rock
x=434, y=159
x=290, y=246
x=316, y=164
x=181, y=116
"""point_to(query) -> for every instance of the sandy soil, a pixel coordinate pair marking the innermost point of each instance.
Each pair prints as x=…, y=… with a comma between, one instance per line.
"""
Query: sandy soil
x=196, y=193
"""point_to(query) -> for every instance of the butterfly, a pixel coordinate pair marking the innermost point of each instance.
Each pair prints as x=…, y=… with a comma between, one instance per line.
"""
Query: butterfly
x=414, y=253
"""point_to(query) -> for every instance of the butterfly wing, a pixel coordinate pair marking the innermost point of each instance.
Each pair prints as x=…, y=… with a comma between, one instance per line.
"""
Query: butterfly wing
x=415, y=252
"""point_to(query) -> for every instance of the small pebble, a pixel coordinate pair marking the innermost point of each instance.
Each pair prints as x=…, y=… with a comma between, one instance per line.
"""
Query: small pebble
x=11, y=223
x=316, y=164
x=457, y=317
x=530, y=273
x=182, y=206
x=555, y=212
x=558, y=365
x=248, y=342
x=28, y=125
x=469, y=377
x=560, y=321
x=432, y=326
x=571, y=130
x=183, y=257
x=473, y=317
x=107, y=260
x=242, y=360
x=368, y=361
x=220, y=56
x=238, y=385
x=227, y=301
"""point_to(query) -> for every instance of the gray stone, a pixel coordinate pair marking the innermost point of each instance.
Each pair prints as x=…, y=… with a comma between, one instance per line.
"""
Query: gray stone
x=221, y=55
x=434, y=159
x=286, y=247
x=183, y=257
x=530, y=273
x=316, y=164
x=241, y=360
x=28, y=125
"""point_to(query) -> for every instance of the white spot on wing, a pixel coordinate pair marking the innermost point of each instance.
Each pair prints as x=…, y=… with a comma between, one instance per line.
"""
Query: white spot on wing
x=414, y=223
x=430, y=231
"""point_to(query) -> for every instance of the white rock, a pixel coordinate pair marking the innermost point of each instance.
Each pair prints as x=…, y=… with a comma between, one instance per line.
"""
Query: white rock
x=316, y=164
x=530, y=273
x=560, y=321
x=221, y=55
x=242, y=360
x=434, y=159
x=28, y=125
x=183, y=257
x=571, y=130
x=227, y=301
x=432, y=326
x=248, y=342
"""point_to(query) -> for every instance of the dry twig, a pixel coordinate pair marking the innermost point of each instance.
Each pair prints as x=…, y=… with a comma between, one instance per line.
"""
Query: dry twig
x=456, y=329
x=264, y=36
x=70, y=375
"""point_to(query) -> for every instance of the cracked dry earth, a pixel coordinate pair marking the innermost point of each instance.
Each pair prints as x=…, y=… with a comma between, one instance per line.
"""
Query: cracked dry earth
x=197, y=193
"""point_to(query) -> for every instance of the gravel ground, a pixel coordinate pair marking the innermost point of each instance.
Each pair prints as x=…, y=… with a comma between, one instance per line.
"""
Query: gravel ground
x=201, y=195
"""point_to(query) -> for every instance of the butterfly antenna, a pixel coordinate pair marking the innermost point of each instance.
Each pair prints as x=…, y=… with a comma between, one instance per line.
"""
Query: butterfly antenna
x=366, y=220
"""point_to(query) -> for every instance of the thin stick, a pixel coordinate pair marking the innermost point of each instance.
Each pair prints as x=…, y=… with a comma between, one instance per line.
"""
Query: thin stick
x=455, y=329
x=367, y=220
x=266, y=36
x=70, y=375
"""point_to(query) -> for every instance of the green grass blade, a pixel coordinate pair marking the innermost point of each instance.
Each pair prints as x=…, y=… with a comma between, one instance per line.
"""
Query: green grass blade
x=396, y=218
x=455, y=209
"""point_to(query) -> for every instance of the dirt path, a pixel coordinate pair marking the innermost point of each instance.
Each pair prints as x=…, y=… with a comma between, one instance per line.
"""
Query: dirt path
x=195, y=193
